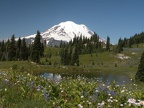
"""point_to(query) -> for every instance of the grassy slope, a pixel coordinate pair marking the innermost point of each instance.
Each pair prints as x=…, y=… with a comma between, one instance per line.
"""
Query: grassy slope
x=100, y=62
x=106, y=62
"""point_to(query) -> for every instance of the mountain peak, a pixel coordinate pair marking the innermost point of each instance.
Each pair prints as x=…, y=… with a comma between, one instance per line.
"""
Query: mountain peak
x=64, y=31
x=68, y=22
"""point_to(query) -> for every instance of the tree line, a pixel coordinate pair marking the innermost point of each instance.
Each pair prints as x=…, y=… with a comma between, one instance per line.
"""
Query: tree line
x=88, y=45
x=128, y=42
x=12, y=50
x=82, y=45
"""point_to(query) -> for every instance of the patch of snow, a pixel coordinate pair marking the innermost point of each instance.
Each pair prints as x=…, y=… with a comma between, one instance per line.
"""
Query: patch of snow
x=123, y=57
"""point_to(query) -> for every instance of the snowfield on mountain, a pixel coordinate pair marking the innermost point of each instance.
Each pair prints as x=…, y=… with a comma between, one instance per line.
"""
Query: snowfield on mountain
x=65, y=31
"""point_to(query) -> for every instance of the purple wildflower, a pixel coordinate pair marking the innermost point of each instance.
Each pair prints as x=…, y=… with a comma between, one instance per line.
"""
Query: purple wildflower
x=46, y=95
x=39, y=87
x=6, y=81
x=113, y=93
x=31, y=84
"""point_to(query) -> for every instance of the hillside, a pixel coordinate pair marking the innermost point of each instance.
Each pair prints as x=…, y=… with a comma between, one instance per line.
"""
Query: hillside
x=107, y=62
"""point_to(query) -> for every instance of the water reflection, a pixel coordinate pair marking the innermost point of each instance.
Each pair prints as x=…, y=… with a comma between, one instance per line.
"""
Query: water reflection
x=120, y=79
x=51, y=76
x=107, y=78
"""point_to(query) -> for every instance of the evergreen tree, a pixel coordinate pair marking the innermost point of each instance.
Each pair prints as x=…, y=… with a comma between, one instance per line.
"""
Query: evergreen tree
x=125, y=42
x=3, y=46
x=140, y=72
x=42, y=50
x=36, y=51
x=70, y=56
x=66, y=55
x=62, y=55
x=130, y=42
x=90, y=48
x=75, y=60
x=108, y=44
x=12, y=49
x=24, y=53
x=2, y=51
x=100, y=46
x=18, y=45
x=6, y=51
x=119, y=47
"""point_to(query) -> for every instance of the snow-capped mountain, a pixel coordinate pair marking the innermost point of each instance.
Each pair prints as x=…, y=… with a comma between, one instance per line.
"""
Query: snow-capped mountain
x=65, y=31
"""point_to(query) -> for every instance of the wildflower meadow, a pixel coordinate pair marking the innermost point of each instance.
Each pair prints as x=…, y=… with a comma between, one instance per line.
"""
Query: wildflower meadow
x=24, y=90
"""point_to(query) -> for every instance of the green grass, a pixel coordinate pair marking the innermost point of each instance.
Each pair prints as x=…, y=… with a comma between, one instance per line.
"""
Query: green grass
x=141, y=45
x=109, y=62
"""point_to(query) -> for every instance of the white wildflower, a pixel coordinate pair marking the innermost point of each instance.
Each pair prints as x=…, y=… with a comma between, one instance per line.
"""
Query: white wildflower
x=142, y=103
x=82, y=96
x=97, y=91
x=80, y=106
x=137, y=104
x=131, y=100
x=109, y=100
x=102, y=103
x=109, y=94
x=122, y=91
x=121, y=105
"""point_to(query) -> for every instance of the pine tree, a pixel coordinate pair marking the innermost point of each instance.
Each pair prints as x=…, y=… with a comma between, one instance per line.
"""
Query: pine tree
x=3, y=46
x=12, y=49
x=119, y=47
x=7, y=44
x=2, y=51
x=36, y=51
x=18, y=45
x=62, y=55
x=42, y=50
x=24, y=53
x=130, y=42
x=70, y=56
x=66, y=54
x=140, y=72
x=108, y=44
x=75, y=60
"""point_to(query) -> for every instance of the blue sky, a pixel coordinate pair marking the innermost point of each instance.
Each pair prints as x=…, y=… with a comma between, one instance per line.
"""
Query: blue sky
x=113, y=18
